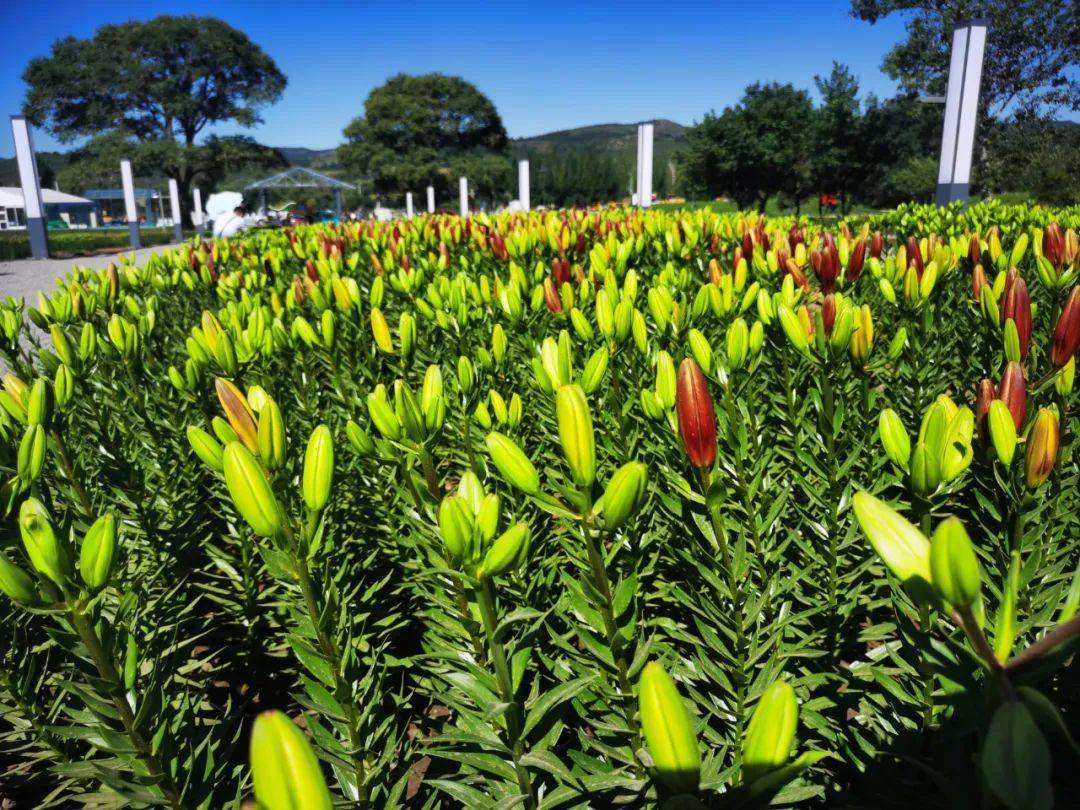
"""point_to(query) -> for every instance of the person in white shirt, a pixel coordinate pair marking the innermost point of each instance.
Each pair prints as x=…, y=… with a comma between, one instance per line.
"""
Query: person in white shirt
x=230, y=224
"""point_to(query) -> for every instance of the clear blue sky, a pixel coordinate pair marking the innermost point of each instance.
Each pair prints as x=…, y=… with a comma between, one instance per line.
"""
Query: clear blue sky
x=546, y=65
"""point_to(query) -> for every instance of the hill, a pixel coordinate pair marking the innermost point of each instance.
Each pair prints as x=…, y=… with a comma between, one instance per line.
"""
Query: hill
x=599, y=138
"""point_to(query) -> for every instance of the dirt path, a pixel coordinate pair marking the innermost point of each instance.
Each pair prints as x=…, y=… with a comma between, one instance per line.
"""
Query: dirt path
x=23, y=278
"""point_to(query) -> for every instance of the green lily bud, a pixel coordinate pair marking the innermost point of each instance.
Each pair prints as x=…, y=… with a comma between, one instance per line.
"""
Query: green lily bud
x=472, y=490
x=498, y=406
x=284, y=769
x=359, y=438
x=407, y=410
x=47, y=554
x=487, y=516
x=380, y=331
x=771, y=732
x=1065, y=379
x=593, y=373
x=98, y=549
x=640, y=332
x=794, y=330
x=456, y=524
x=605, y=314
x=897, y=344
x=701, y=350
x=1002, y=431
x=956, y=453
x=31, y=455
x=894, y=438
x=925, y=470
x=954, y=568
x=651, y=404
x=582, y=328
x=515, y=411
x=63, y=346
x=507, y=553
x=1012, y=341
x=432, y=404
x=250, y=490
x=624, y=317
x=512, y=463
x=498, y=343
x=738, y=343
x=843, y=327
x=576, y=433
x=206, y=447
x=407, y=334
x=16, y=584
x=318, y=469
x=665, y=379
x=757, y=338
x=223, y=431
x=270, y=436
x=902, y=547
x=87, y=343
x=624, y=495
x=466, y=375
x=669, y=730
x=382, y=414
x=37, y=403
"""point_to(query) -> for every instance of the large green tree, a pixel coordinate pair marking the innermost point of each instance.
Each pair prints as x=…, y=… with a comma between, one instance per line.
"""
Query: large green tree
x=426, y=130
x=1032, y=50
x=756, y=149
x=836, y=164
x=156, y=84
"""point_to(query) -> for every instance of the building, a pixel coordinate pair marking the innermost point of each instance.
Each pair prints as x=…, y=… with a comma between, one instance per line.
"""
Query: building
x=61, y=210
x=110, y=204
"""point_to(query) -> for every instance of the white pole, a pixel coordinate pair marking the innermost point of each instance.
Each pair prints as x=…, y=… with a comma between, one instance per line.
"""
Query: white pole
x=408, y=204
x=961, y=110
x=131, y=212
x=523, y=184
x=646, y=165
x=33, y=205
x=463, y=196
x=431, y=199
x=197, y=212
x=174, y=205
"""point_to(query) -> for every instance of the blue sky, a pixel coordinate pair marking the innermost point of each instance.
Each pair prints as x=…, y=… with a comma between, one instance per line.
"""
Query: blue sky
x=546, y=65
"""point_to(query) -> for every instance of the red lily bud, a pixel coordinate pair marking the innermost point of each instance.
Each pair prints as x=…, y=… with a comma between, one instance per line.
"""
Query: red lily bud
x=877, y=244
x=748, y=245
x=1016, y=304
x=762, y=238
x=1010, y=279
x=914, y=256
x=312, y=273
x=797, y=275
x=736, y=257
x=855, y=262
x=551, y=297
x=1067, y=332
x=983, y=398
x=974, y=249
x=1013, y=392
x=1042, y=448
x=828, y=313
x=697, y=420
x=560, y=271
x=796, y=237
x=978, y=281
x=1053, y=245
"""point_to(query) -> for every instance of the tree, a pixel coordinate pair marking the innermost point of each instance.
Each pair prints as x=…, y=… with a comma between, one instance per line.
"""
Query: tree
x=835, y=161
x=1031, y=51
x=756, y=149
x=158, y=84
x=893, y=135
x=423, y=130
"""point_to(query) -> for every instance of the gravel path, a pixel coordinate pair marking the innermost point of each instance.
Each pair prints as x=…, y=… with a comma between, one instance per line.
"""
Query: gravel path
x=25, y=277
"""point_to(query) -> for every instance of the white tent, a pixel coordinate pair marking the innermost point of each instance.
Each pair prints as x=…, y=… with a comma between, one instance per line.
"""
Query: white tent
x=58, y=205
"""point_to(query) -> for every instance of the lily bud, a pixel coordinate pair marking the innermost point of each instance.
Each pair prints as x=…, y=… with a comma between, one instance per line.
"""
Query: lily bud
x=1066, y=338
x=551, y=297
x=466, y=375
x=206, y=447
x=894, y=438
x=380, y=331
x=271, y=435
x=624, y=495
x=771, y=732
x=985, y=395
x=576, y=433
x=46, y=552
x=456, y=522
x=1016, y=305
x=902, y=547
x=1002, y=431
x=1066, y=376
x=16, y=584
x=700, y=349
x=382, y=414
x=238, y=412
x=954, y=568
x=250, y=490
x=1013, y=392
x=978, y=283
x=697, y=419
x=507, y=553
x=31, y=455
x=284, y=769
x=407, y=334
x=318, y=469
x=665, y=379
x=925, y=469
x=37, y=403
x=862, y=340
x=512, y=463
x=593, y=373
x=1053, y=245
x=1042, y=448
x=669, y=730
x=738, y=343
x=98, y=549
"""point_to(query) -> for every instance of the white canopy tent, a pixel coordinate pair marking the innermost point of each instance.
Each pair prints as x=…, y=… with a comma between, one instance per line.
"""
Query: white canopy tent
x=58, y=205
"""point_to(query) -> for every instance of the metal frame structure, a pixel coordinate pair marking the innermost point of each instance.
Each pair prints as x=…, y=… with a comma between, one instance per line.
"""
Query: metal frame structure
x=301, y=177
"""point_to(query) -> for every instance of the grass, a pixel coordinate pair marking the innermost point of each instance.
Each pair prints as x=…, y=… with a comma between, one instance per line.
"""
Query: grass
x=66, y=244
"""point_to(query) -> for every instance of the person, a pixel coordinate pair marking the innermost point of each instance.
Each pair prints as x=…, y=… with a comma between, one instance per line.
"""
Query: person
x=230, y=224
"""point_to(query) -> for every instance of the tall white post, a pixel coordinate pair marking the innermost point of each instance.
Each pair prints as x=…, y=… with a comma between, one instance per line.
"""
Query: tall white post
x=645, y=173
x=33, y=205
x=131, y=212
x=463, y=196
x=197, y=212
x=408, y=204
x=174, y=205
x=431, y=199
x=523, y=184
x=637, y=167
x=961, y=110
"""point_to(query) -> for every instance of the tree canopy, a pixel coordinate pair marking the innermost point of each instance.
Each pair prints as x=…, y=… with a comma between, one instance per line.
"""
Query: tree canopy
x=153, y=87
x=1031, y=52
x=426, y=130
